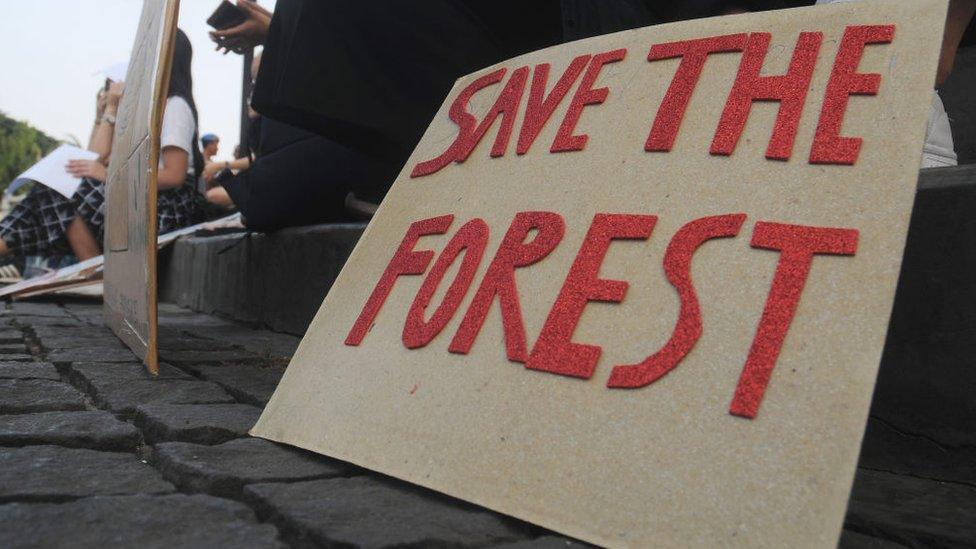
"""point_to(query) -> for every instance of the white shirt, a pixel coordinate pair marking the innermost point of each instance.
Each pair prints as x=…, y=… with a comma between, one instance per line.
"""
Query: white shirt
x=938, y=149
x=178, y=129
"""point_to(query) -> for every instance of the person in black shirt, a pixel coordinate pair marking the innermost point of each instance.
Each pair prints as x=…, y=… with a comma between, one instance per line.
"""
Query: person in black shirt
x=369, y=76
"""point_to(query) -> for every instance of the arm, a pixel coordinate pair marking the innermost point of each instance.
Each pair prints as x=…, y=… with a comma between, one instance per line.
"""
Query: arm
x=101, y=140
x=960, y=13
x=248, y=34
x=101, y=100
x=172, y=173
x=213, y=168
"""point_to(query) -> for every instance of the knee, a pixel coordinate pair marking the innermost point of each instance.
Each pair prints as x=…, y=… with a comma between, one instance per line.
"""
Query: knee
x=219, y=197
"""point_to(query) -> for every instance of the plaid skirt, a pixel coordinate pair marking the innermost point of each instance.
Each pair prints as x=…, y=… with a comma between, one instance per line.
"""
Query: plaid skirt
x=37, y=226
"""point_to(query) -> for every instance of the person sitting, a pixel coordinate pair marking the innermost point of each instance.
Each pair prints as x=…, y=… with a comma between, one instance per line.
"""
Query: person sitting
x=47, y=223
x=286, y=183
x=210, y=144
x=332, y=125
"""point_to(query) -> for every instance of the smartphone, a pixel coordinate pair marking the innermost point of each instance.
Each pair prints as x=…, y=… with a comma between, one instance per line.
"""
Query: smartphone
x=226, y=15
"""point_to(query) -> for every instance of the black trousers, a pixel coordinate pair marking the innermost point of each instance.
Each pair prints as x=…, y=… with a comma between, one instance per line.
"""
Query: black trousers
x=299, y=178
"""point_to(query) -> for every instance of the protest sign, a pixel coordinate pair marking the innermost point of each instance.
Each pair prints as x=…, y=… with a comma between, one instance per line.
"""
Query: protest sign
x=130, y=190
x=635, y=288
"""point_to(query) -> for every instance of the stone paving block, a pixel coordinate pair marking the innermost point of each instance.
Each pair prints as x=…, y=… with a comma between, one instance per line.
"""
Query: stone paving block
x=82, y=374
x=21, y=396
x=912, y=511
x=17, y=357
x=29, y=370
x=122, y=396
x=92, y=355
x=203, y=357
x=43, y=331
x=146, y=522
x=545, y=542
x=198, y=423
x=57, y=343
x=262, y=342
x=10, y=335
x=247, y=382
x=180, y=343
x=13, y=349
x=28, y=308
x=373, y=513
x=52, y=322
x=224, y=469
x=53, y=473
x=91, y=429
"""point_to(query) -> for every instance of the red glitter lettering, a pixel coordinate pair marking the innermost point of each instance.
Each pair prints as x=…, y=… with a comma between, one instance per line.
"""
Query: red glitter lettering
x=554, y=351
x=499, y=280
x=471, y=239
x=797, y=245
x=405, y=261
x=829, y=147
x=688, y=329
x=693, y=54
x=586, y=95
x=789, y=89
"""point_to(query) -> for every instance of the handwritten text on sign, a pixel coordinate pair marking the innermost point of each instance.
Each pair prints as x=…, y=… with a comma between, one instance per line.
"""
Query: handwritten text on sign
x=554, y=350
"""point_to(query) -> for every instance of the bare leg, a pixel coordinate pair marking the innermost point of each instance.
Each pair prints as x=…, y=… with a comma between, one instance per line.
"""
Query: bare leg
x=219, y=196
x=4, y=250
x=82, y=241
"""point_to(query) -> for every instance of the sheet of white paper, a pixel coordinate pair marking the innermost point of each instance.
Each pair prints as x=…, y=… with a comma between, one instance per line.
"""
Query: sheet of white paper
x=50, y=170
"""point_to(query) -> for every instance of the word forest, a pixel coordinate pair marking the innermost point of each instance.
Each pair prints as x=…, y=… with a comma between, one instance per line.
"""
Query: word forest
x=554, y=351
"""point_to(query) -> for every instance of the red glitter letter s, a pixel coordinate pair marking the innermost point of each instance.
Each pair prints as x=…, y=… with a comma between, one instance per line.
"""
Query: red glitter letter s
x=470, y=132
x=677, y=266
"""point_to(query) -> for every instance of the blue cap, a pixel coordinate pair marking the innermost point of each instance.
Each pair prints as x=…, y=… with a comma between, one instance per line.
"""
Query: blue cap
x=208, y=138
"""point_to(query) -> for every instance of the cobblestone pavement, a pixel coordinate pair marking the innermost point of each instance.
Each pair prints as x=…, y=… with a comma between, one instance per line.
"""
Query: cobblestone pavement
x=93, y=453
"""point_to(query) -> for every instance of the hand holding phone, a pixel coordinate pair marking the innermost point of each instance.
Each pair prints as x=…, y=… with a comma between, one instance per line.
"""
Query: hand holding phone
x=226, y=15
x=250, y=32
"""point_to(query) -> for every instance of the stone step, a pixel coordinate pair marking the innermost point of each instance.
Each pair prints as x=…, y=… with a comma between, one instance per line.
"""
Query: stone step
x=912, y=511
x=276, y=280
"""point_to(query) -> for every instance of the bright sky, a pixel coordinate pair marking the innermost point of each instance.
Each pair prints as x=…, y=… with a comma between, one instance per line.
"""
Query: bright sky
x=52, y=53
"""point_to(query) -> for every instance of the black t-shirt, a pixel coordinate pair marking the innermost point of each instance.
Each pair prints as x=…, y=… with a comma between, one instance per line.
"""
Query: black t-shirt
x=371, y=75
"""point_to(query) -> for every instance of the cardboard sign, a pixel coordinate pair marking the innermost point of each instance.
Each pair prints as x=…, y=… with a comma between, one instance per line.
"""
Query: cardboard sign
x=130, y=190
x=635, y=288
x=84, y=273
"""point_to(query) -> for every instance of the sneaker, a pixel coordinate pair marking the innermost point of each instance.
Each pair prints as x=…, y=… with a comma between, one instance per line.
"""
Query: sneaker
x=10, y=274
x=37, y=265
